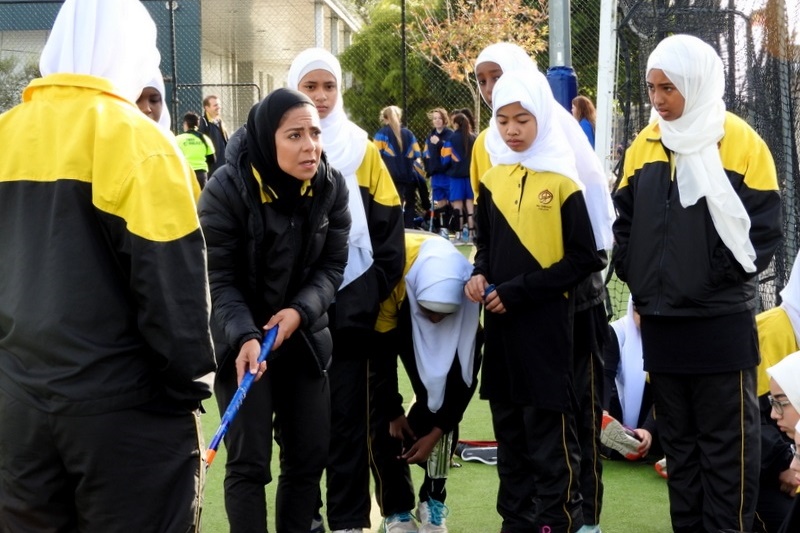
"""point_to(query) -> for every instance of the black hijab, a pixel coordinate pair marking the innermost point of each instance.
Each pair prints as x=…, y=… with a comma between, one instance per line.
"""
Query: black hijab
x=262, y=123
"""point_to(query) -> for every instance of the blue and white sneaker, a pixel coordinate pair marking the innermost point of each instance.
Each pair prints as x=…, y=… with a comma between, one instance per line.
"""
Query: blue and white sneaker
x=431, y=516
x=399, y=523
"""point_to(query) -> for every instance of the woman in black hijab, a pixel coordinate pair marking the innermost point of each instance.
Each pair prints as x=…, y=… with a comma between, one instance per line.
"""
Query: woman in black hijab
x=275, y=220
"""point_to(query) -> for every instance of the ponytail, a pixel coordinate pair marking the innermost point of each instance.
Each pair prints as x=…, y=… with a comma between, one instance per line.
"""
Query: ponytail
x=392, y=114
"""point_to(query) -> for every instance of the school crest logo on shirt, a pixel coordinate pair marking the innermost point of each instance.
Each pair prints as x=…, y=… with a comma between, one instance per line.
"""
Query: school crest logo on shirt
x=545, y=197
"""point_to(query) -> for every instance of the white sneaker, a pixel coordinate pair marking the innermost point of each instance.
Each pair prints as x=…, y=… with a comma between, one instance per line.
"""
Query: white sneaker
x=399, y=523
x=351, y=530
x=590, y=529
x=431, y=516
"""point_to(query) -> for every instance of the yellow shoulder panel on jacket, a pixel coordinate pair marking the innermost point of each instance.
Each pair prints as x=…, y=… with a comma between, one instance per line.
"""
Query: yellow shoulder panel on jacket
x=744, y=152
x=776, y=340
x=645, y=148
x=373, y=175
x=136, y=172
x=390, y=307
x=480, y=162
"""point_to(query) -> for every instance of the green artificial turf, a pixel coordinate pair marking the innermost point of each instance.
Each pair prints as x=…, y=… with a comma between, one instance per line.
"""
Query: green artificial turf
x=635, y=496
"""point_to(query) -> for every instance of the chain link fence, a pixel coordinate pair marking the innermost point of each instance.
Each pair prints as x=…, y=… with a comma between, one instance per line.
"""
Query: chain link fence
x=418, y=55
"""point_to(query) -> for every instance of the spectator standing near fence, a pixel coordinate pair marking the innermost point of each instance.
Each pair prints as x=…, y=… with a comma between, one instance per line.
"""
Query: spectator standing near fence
x=435, y=165
x=211, y=124
x=457, y=154
x=399, y=150
x=584, y=112
x=104, y=295
x=699, y=218
x=197, y=147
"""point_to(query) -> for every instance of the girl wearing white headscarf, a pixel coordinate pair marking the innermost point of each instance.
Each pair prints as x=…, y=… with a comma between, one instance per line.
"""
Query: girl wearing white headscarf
x=629, y=376
x=777, y=340
x=590, y=320
x=374, y=266
x=698, y=218
x=113, y=40
x=431, y=325
x=626, y=394
x=786, y=387
x=534, y=244
x=151, y=101
x=509, y=57
x=104, y=300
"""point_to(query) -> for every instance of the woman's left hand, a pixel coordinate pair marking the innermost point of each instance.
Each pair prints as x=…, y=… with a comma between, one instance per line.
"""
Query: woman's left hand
x=289, y=319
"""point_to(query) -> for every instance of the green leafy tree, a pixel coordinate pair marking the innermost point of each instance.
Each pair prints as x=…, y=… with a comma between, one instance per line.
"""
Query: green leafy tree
x=375, y=61
x=13, y=78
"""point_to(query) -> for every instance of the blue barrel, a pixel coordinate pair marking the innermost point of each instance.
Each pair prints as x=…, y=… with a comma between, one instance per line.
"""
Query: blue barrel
x=564, y=84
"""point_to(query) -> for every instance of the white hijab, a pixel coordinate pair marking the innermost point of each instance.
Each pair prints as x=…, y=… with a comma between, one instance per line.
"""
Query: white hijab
x=511, y=57
x=113, y=39
x=696, y=70
x=439, y=275
x=157, y=83
x=631, y=376
x=787, y=374
x=550, y=151
x=790, y=298
x=345, y=144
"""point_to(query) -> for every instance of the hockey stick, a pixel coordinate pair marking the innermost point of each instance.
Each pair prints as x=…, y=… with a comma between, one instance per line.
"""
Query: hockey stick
x=238, y=398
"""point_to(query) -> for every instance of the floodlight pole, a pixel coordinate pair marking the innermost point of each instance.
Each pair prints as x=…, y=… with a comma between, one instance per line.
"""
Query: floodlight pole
x=561, y=75
x=606, y=77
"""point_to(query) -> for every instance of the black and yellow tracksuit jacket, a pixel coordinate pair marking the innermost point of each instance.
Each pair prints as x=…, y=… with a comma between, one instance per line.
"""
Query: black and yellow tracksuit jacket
x=671, y=256
x=104, y=301
x=357, y=304
x=535, y=243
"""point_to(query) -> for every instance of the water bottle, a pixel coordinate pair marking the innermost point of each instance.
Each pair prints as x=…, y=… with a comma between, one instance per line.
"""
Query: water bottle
x=465, y=234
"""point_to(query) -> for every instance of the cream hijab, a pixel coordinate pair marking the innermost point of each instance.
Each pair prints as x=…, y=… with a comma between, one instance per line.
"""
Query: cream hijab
x=438, y=275
x=790, y=298
x=787, y=374
x=590, y=172
x=345, y=145
x=631, y=376
x=113, y=39
x=696, y=70
x=550, y=151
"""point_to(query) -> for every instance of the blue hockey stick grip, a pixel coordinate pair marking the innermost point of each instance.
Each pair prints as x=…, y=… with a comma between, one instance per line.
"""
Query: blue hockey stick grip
x=238, y=398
